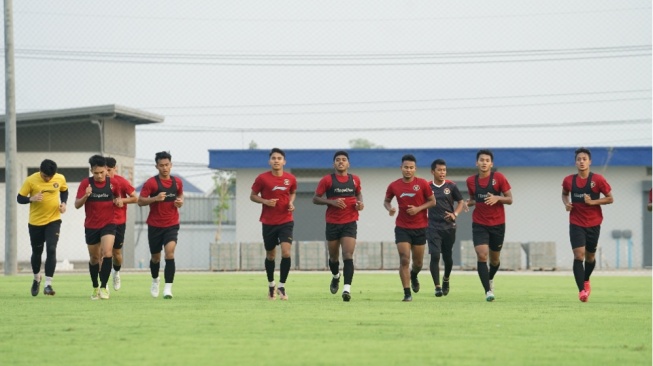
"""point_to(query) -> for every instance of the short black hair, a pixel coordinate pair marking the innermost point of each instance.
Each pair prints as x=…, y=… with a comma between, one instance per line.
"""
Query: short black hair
x=485, y=152
x=437, y=162
x=97, y=160
x=408, y=157
x=340, y=152
x=583, y=150
x=111, y=162
x=48, y=168
x=277, y=150
x=162, y=155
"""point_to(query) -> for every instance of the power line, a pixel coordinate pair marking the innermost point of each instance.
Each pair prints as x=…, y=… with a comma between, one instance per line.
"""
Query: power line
x=546, y=125
x=283, y=105
x=404, y=110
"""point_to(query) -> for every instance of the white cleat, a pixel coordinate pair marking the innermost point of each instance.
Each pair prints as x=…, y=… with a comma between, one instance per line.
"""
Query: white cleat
x=154, y=290
x=116, y=280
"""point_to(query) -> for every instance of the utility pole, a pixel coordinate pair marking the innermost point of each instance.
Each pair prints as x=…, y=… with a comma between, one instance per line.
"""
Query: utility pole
x=11, y=166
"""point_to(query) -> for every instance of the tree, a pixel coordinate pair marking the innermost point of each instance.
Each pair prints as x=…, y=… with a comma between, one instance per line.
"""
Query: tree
x=363, y=144
x=223, y=180
x=253, y=145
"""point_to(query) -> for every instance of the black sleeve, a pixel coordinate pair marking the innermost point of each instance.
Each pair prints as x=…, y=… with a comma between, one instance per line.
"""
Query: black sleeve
x=22, y=199
x=63, y=196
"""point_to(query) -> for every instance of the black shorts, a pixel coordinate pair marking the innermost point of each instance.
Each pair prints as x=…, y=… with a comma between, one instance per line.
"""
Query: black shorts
x=492, y=235
x=273, y=235
x=158, y=237
x=120, y=236
x=94, y=236
x=48, y=233
x=441, y=241
x=587, y=237
x=337, y=231
x=412, y=236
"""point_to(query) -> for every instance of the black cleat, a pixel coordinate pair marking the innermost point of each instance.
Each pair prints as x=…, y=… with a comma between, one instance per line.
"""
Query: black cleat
x=48, y=291
x=346, y=296
x=407, y=298
x=445, y=288
x=36, y=286
x=335, y=285
x=438, y=292
x=414, y=283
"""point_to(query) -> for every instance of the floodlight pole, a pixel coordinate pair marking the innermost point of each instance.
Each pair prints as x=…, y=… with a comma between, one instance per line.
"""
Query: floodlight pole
x=11, y=166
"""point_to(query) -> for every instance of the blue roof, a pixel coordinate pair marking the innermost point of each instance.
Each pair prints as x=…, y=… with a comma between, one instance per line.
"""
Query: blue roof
x=455, y=158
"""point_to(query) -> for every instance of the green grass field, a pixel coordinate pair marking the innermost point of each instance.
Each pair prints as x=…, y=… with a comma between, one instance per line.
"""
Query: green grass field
x=225, y=319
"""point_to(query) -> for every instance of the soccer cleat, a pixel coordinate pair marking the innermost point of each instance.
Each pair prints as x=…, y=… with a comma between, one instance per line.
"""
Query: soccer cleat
x=489, y=296
x=104, y=293
x=281, y=291
x=445, y=288
x=48, y=290
x=407, y=298
x=167, y=294
x=271, y=294
x=346, y=296
x=335, y=285
x=116, y=280
x=96, y=293
x=438, y=292
x=587, y=288
x=414, y=283
x=154, y=290
x=583, y=296
x=36, y=286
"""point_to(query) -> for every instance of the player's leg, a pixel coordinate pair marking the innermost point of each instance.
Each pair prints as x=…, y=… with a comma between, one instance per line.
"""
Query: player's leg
x=51, y=239
x=497, y=233
x=447, y=257
x=117, y=255
x=170, y=268
x=155, y=242
x=270, y=242
x=403, y=249
x=434, y=245
x=333, y=247
x=578, y=239
x=481, y=238
x=106, y=244
x=37, y=238
x=285, y=240
x=94, y=254
x=348, y=247
x=417, y=252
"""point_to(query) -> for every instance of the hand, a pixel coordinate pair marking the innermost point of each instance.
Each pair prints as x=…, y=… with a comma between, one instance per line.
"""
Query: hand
x=465, y=206
x=491, y=199
x=449, y=216
x=392, y=211
x=118, y=202
x=62, y=207
x=588, y=200
x=160, y=197
x=291, y=207
x=340, y=203
x=89, y=190
x=179, y=202
x=271, y=202
x=360, y=205
x=412, y=210
x=37, y=197
x=568, y=206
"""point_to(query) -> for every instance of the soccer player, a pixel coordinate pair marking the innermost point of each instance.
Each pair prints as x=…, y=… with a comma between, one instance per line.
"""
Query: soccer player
x=45, y=208
x=164, y=194
x=343, y=200
x=585, y=217
x=488, y=191
x=128, y=195
x=441, y=234
x=98, y=194
x=276, y=191
x=414, y=198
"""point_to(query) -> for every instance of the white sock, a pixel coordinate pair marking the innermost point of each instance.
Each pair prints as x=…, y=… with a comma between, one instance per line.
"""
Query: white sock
x=271, y=284
x=347, y=288
x=48, y=281
x=37, y=277
x=282, y=285
x=167, y=287
x=336, y=276
x=116, y=273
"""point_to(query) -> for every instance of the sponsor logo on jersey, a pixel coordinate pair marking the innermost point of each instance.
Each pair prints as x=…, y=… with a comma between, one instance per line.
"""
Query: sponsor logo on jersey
x=447, y=191
x=279, y=188
x=405, y=194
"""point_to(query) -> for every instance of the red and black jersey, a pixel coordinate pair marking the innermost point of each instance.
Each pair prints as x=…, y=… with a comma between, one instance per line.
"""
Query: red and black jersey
x=99, y=205
x=164, y=213
x=270, y=186
x=446, y=195
x=345, y=187
x=413, y=193
x=478, y=188
x=125, y=190
x=581, y=214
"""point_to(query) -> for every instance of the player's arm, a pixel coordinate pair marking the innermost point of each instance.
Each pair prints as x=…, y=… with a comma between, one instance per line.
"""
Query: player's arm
x=82, y=200
x=430, y=202
x=131, y=198
x=359, y=201
x=506, y=199
x=387, y=203
x=291, y=203
x=605, y=200
x=145, y=201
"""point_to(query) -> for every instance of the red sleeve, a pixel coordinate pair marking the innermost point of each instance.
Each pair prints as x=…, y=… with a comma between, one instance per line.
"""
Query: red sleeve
x=357, y=184
x=149, y=187
x=471, y=187
x=323, y=185
x=180, y=187
x=504, y=185
x=604, y=186
x=426, y=188
x=566, y=183
x=81, y=191
x=389, y=193
x=257, y=186
x=293, y=186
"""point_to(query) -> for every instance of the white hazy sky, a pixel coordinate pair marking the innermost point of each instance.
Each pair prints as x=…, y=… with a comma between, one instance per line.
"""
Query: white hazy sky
x=316, y=74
